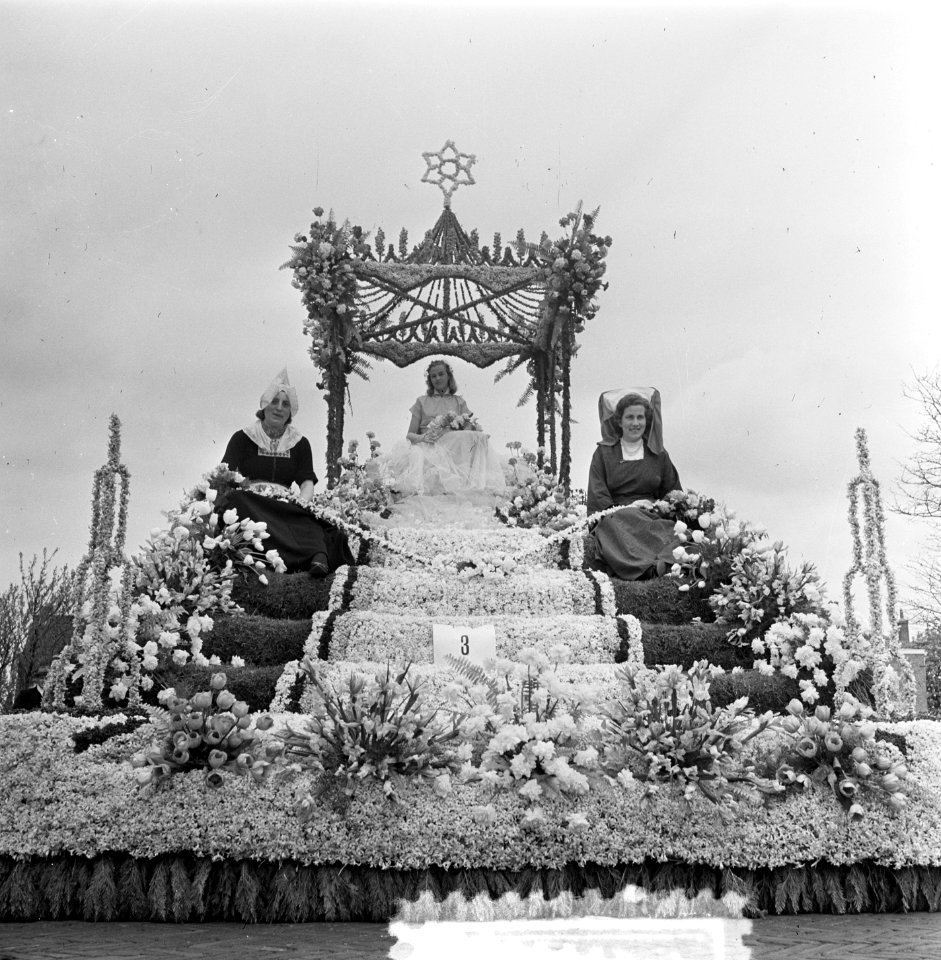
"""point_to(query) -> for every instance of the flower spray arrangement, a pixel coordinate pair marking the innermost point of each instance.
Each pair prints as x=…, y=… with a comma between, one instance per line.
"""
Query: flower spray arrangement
x=519, y=726
x=780, y=612
x=185, y=571
x=527, y=732
x=168, y=591
x=664, y=729
x=212, y=732
x=574, y=265
x=323, y=264
x=362, y=487
x=380, y=729
x=837, y=750
x=535, y=498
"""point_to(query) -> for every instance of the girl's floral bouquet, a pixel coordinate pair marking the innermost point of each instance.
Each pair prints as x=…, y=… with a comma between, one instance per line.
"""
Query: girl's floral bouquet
x=534, y=496
x=449, y=421
x=686, y=506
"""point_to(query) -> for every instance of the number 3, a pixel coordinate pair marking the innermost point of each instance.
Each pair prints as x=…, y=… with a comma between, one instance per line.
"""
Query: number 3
x=465, y=644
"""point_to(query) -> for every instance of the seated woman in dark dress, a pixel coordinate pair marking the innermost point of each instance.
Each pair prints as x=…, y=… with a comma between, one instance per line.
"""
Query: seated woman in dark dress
x=630, y=466
x=273, y=454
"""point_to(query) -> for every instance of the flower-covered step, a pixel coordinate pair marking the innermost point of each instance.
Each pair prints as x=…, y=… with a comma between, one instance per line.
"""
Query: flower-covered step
x=454, y=546
x=524, y=592
x=292, y=693
x=366, y=635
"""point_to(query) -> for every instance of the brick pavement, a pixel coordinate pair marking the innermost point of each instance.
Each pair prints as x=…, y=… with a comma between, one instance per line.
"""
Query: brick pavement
x=811, y=937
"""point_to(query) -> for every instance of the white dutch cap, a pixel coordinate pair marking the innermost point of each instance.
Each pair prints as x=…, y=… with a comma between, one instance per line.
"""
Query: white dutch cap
x=280, y=384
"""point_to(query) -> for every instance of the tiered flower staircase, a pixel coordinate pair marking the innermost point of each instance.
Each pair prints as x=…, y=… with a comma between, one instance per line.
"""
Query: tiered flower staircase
x=383, y=609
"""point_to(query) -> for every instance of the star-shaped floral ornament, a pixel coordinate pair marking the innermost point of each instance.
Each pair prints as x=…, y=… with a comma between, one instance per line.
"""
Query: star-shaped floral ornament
x=449, y=169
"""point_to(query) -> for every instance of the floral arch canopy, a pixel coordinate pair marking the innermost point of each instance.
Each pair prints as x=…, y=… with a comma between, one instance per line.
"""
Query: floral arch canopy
x=522, y=303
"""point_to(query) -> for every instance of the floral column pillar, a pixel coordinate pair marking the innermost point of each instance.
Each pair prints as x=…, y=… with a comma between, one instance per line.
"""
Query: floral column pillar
x=334, y=387
x=893, y=678
x=101, y=623
x=324, y=271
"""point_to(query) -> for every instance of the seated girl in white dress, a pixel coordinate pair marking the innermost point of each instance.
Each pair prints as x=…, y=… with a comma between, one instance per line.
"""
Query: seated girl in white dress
x=446, y=452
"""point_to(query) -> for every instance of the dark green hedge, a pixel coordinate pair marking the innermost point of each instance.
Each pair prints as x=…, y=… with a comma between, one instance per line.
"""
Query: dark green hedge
x=684, y=644
x=257, y=639
x=185, y=888
x=661, y=601
x=254, y=685
x=291, y=596
x=773, y=692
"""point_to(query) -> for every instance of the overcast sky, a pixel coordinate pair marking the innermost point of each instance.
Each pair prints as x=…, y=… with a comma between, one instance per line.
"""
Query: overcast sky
x=768, y=174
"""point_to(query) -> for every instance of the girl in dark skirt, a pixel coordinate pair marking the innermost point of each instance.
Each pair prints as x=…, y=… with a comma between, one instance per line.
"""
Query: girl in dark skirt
x=273, y=453
x=630, y=466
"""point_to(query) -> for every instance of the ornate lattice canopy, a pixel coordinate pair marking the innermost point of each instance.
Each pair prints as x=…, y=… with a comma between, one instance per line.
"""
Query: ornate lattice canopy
x=449, y=295
x=446, y=297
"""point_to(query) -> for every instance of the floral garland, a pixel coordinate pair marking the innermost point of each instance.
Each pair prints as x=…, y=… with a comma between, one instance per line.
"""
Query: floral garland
x=489, y=564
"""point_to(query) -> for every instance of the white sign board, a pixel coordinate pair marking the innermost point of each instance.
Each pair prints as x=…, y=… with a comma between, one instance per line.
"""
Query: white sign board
x=476, y=644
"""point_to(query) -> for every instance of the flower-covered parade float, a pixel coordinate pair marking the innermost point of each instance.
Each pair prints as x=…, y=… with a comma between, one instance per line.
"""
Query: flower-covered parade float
x=470, y=721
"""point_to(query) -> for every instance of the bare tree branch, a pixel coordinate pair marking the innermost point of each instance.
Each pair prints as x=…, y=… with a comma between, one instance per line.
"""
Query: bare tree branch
x=920, y=482
x=27, y=612
x=920, y=487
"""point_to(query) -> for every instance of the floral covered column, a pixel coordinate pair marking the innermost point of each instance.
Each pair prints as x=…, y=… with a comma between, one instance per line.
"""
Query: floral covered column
x=324, y=266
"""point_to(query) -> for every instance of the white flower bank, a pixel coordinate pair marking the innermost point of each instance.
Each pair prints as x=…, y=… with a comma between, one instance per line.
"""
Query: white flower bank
x=403, y=638
x=438, y=684
x=537, y=593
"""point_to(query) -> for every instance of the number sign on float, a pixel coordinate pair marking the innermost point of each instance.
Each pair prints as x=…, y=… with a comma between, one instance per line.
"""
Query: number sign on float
x=476, y=644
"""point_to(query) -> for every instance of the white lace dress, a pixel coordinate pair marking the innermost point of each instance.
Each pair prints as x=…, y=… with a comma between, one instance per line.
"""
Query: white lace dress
x=456, y=462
